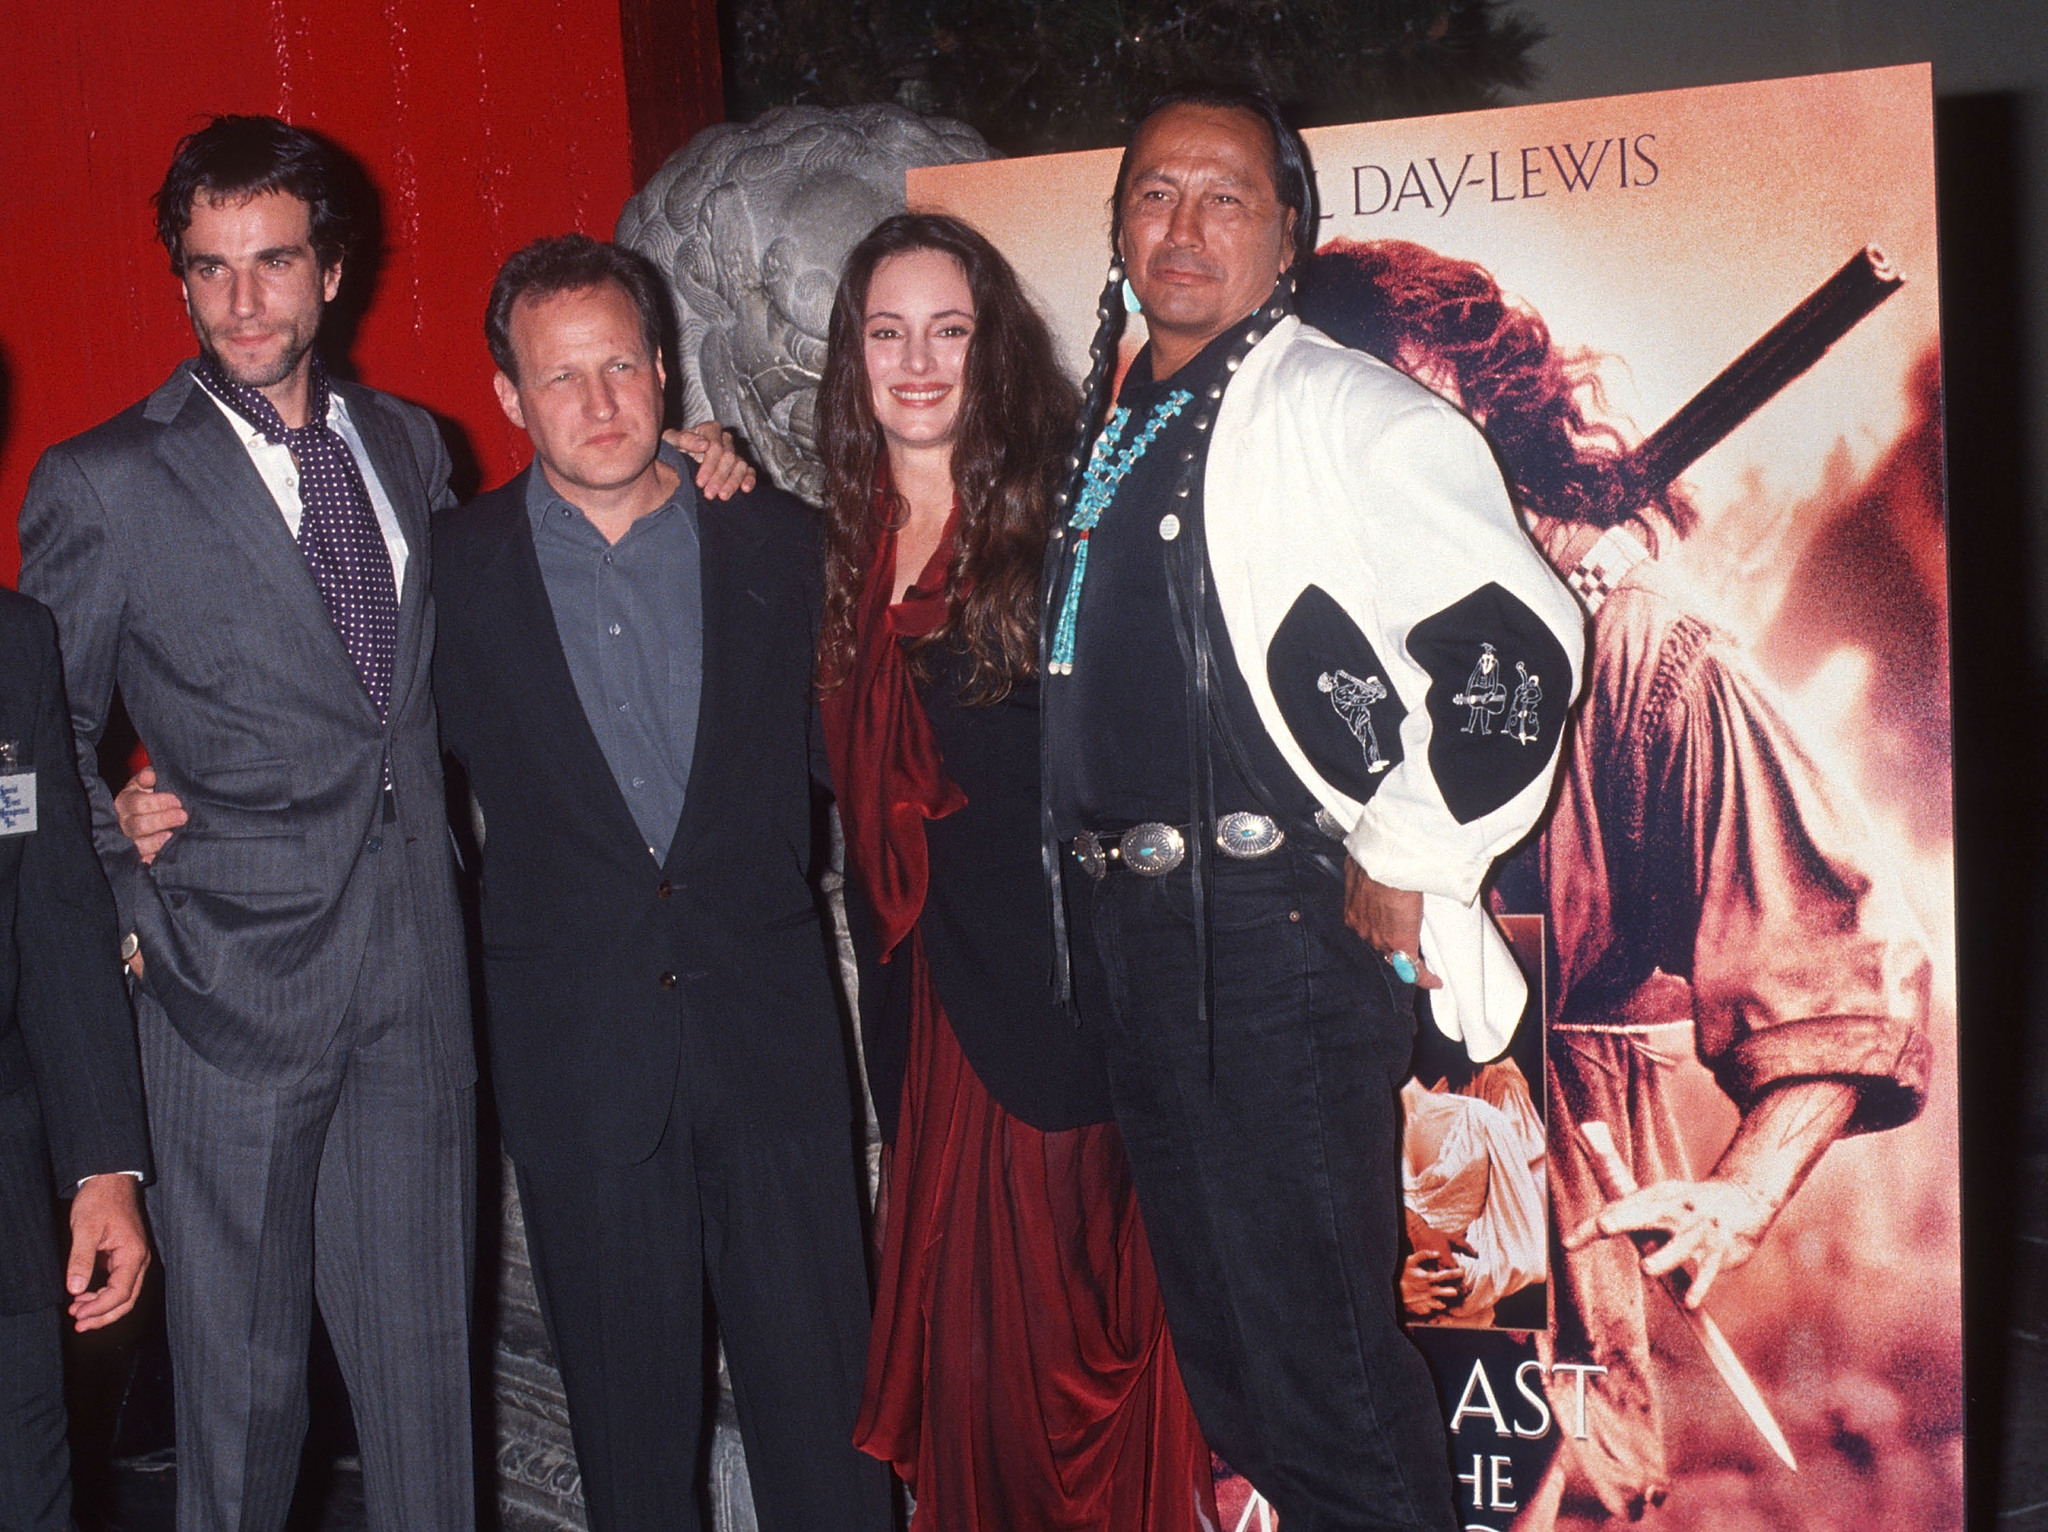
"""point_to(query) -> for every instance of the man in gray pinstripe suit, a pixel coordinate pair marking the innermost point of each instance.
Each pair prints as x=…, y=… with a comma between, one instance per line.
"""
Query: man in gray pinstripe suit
x=244, y=555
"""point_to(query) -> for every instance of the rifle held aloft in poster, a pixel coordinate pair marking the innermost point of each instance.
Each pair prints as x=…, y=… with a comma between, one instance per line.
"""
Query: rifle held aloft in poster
x=1745, y=385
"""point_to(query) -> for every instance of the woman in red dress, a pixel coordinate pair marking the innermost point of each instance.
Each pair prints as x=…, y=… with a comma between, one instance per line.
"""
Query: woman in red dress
x=1019, y=1374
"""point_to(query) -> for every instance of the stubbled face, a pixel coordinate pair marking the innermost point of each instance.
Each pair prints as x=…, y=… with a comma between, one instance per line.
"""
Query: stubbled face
x=1205, y=235
x=588, y=392
x=254, y=287
x=915, y=334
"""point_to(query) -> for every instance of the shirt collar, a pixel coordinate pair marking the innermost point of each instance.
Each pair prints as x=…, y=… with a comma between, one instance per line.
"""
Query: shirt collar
x=1140, y=392
x=541, y=498
x=250, y=434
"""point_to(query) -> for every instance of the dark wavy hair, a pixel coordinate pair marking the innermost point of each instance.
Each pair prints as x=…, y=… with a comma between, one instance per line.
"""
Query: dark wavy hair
x=1016, y=424
x=1420, y=311
x=234, y=158
x=569, y=263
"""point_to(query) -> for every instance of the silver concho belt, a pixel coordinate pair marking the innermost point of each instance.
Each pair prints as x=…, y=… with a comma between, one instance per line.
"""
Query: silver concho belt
x=1153, y=849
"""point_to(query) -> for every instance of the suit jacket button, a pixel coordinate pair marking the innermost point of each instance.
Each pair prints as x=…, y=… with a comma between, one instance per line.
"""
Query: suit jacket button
x=668, y=981
x=375, y=843
x=664, y=889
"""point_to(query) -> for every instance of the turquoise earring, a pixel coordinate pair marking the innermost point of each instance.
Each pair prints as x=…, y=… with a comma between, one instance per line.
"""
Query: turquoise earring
x=1131, y=303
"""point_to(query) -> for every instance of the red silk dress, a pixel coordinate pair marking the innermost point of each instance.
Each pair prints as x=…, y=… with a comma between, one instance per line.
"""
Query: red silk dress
x=1019, y=1371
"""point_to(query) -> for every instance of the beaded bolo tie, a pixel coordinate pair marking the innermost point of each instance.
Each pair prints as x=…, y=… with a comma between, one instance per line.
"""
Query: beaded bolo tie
x=1108, y=466
x=1107, y=469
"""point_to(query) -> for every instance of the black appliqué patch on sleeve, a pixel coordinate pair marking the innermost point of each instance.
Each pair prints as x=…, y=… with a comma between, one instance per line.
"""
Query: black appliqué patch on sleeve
x=1492, y=727
x=1334, y=694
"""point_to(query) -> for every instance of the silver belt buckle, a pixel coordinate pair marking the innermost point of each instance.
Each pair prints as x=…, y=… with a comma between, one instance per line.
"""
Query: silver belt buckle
x=1245, y=836
x=1152, y=850
x=1089, y=853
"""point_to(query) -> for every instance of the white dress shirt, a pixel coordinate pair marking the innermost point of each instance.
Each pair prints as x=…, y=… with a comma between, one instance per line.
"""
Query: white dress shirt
x=274, y=463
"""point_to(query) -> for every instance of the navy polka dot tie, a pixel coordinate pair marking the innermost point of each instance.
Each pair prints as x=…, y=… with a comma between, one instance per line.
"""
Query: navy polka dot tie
x=338, y=529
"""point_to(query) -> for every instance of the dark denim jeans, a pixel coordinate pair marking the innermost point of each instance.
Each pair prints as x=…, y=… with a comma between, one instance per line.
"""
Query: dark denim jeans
x=1267, y=1163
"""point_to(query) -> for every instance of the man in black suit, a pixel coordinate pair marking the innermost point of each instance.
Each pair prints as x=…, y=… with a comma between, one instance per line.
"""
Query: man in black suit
x=70, y=1088
x=244, y=555
x=624, y=672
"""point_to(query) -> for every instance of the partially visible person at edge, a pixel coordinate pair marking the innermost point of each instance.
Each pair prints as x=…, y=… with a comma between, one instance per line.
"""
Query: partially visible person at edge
x=1274, y=802
x=1019, y=1375
x=1472, y=1195
x=1730, y=906
x=71, y=1123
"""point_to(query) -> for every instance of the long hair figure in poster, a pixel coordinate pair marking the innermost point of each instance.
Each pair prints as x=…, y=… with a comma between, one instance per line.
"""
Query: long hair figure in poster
x=1705, y=891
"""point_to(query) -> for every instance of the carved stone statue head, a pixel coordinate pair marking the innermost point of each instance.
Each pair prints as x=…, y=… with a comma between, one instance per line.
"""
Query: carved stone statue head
x=749, y=223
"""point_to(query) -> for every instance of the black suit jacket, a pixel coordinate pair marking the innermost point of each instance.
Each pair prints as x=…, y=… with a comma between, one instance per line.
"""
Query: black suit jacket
x=70, y=1086
x=604, y=974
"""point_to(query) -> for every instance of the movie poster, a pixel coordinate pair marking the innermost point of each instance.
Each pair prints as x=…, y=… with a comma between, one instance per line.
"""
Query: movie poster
x=1700, y=328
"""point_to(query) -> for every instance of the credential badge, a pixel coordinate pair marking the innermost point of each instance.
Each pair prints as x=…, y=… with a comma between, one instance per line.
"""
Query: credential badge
x=18, y=803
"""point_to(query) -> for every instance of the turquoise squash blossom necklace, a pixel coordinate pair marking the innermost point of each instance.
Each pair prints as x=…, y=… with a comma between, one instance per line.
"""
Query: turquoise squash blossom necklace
x=1107, y=468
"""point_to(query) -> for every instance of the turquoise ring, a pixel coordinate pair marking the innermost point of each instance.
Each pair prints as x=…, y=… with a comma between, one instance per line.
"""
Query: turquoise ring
x=1403, y=966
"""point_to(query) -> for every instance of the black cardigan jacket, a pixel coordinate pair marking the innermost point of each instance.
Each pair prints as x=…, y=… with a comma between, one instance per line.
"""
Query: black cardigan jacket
x=985, y=926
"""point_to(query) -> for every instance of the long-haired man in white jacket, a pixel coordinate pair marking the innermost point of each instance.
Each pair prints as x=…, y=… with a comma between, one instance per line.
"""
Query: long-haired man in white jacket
x=1267, y=536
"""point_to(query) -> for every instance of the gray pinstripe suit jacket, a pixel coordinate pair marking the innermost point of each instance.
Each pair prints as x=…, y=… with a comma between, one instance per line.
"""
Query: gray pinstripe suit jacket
x=173, y=577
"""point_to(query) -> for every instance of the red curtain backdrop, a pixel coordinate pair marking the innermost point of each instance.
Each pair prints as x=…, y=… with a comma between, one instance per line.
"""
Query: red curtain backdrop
x=482, y=125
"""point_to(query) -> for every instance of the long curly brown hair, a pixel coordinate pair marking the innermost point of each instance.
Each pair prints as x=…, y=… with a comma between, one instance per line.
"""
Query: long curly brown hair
x=1429, y=314
x=1016, y=427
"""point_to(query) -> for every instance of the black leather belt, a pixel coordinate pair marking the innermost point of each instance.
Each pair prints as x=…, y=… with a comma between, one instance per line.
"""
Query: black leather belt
x=1152, y=849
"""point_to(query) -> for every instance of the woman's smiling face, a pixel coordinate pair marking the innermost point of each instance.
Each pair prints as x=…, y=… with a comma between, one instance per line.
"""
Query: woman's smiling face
x=915, y=334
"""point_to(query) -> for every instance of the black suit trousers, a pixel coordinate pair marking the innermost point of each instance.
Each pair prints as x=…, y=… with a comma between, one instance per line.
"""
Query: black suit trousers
x=763, y=1216
x=35, y=1460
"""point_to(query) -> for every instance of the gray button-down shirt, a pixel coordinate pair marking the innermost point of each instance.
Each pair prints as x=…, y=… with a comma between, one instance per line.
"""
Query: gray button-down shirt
x=631, y=619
